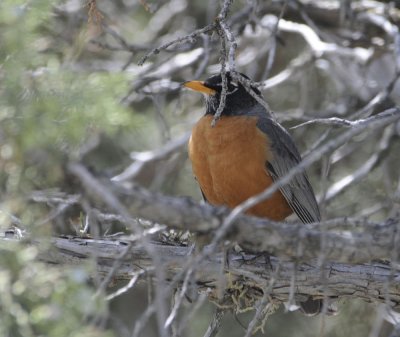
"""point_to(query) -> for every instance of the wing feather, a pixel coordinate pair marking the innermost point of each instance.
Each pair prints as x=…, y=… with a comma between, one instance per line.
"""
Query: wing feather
x=298, y=192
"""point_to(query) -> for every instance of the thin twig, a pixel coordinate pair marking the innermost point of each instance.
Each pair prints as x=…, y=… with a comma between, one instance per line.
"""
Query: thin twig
x=366, y=168
x=215, y=322
x=141, y=159
x=224, y=91
x=130, y=285
x=272, y=51
x=263, y=306
x=187, y=38
x=232, y=44
x=179, y=299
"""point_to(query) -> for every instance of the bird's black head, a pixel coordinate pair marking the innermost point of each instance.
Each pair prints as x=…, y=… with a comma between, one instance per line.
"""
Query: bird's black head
x=238, y=100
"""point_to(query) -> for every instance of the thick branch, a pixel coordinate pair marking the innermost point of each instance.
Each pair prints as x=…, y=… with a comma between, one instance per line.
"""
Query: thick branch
x=375, y=282
x=285, y=239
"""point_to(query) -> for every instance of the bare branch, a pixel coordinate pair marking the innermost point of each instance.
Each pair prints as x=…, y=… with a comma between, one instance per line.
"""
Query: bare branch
x=370, y=282
x=263, y=235
x=141, y=159
x=317, y=46
x=335, y=121
x=215, y=323
x=364, y=169
x=224, y=91
x=188, y=38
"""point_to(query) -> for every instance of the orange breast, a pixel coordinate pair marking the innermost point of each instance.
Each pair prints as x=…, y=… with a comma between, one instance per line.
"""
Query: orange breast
x=229, y=164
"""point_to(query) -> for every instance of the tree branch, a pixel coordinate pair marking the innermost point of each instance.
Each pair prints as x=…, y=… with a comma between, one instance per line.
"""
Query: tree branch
x=292, y=240
x=246, y=274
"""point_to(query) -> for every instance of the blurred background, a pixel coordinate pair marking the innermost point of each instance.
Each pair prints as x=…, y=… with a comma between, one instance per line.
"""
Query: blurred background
x=71, y=89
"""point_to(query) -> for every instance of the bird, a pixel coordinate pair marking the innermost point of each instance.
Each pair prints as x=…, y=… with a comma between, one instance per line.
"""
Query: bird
x=244, y=153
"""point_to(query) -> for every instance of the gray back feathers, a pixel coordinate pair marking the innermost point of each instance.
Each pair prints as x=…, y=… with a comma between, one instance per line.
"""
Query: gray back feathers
x=298, y=193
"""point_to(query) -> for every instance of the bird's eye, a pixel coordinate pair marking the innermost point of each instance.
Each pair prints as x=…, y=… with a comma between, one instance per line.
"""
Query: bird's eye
x=232, y=87
x=213, y=85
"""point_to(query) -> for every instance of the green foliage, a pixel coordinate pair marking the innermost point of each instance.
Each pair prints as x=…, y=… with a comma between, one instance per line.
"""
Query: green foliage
x=58, y=107
x=48, y=110
x=38, y=300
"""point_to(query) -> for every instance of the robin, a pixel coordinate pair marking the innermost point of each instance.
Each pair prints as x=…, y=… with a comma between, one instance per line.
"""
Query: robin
x=243, y=154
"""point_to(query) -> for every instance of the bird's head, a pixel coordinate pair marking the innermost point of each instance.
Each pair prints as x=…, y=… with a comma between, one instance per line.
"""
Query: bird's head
x=238, y=99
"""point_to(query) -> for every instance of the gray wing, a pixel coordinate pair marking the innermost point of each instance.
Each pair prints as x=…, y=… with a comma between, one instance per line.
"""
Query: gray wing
x=298, y=193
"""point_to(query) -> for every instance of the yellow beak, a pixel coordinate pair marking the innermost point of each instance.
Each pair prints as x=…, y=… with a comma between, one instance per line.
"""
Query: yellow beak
x=200, y=87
